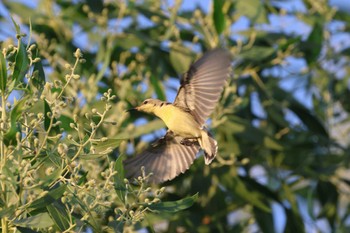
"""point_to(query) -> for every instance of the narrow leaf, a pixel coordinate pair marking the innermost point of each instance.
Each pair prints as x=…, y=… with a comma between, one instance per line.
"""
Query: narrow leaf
x=18, y=29
x=65, y=122
x=253, y=9
x=91, y=156
x=313, y=45
x=59, y=215
x=54, y=130
x=111, y=143
x=180, y=58
x=38, y=80
x=7, y=211
x=143, y=129
x=25, y=230
x=218, y=16
x=41, y=220
x=257, y=53
x=157, y=87
x=310, y=120
x=10, y=136
x=128, y=41
x=47, y=179
x=174, y=206
x=252, y=197
x=119, y=184
x=264, y=220
x=21, y=63
x=249, y=133
x=294, y=222
x=3, y=73
x=49, y=198
x=328, y=196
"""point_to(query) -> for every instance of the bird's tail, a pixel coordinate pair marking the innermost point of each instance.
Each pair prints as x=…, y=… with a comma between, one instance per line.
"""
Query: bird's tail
x=209, y=145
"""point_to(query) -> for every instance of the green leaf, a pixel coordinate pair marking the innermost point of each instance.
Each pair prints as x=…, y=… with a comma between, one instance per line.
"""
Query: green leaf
x=158, y=88
x=48, y=198
x=180, y=58
x=294, y=222
x=150, y=12
x=218, y=16
x=264, y=220
x=47, y=110
x=92, y=221
x=346, y=51
x=103, y=56
x=311, y=121
x=253, y=9
x=257, y=53
x=42, y=220
x=313, y=45
x=128, y=41
x=25, y=230
x=252, y=197
x=275, y=113
x=174, y=206
x=59, y=215
x=142, y=129
x=65, y=122
x=18, y=29
x=119, y=184
x=291, y=198
x=38, y=80
x=262, y=189
x=92, y=156
x=328, y=196
x=110, y=143
x=10, y=136
x=54, y=130
x=7, y=171
x=8, y=211
x=21, y=63
x=249, y=133
x=49, y=160
x=3, y=73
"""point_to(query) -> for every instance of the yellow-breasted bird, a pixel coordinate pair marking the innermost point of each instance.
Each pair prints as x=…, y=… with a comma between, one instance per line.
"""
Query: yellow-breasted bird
x=200, y=89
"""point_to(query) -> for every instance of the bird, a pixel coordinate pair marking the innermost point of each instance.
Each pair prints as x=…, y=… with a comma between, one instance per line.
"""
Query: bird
x=200, y=89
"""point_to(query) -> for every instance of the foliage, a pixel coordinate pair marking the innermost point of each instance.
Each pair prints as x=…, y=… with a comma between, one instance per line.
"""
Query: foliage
x=55, y=171
x=282, y=128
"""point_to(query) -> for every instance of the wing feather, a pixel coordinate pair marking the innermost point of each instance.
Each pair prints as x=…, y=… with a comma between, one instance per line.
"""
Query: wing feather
x=166, y=159
x=202, y=85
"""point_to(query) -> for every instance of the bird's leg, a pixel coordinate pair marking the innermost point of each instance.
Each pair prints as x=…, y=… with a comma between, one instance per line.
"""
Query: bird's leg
x=188, y=141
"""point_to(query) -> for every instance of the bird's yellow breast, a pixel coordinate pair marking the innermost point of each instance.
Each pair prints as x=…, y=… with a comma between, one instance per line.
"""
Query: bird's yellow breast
x=180, y=122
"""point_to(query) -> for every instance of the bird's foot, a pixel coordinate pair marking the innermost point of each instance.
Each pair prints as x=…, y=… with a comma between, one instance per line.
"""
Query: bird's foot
x=188, y=141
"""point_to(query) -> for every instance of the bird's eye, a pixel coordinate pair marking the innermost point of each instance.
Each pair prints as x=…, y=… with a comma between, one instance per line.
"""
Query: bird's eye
x=145, y=102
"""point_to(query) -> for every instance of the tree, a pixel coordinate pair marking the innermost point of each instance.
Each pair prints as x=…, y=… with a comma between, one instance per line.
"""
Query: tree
x=281, y=123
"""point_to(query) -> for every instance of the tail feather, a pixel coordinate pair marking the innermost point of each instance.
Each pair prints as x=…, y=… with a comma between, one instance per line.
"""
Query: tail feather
x=209, y=145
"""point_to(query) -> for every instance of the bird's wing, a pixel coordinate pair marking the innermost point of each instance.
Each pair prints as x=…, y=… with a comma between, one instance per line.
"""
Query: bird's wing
x=166, y=159
x=202, y=85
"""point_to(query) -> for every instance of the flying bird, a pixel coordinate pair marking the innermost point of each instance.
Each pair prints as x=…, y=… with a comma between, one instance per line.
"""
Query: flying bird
x=200, y=90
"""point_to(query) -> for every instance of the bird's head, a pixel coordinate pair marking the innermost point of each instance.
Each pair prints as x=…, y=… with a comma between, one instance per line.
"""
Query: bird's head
x=149, y=105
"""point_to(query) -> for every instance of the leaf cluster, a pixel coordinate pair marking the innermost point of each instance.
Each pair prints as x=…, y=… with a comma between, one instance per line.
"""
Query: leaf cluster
x=282, y=123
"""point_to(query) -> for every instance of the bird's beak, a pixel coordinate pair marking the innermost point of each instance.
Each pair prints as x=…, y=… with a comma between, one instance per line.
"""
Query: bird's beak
x=133, y=109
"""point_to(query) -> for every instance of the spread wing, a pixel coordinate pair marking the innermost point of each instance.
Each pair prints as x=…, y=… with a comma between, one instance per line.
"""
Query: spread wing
x=166, y=159
x=202, y=85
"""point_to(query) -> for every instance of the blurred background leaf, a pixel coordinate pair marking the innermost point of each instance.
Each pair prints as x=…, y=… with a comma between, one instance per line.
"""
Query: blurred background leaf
x=282, y=123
